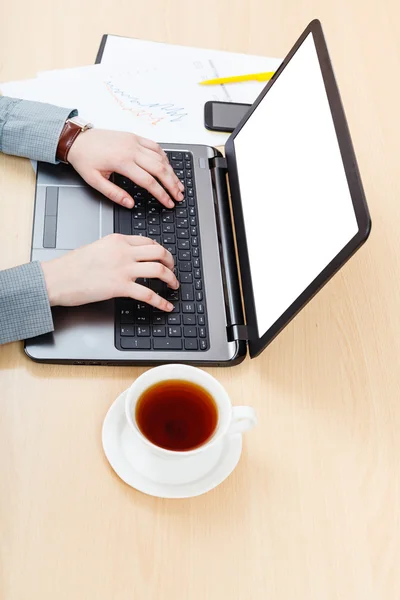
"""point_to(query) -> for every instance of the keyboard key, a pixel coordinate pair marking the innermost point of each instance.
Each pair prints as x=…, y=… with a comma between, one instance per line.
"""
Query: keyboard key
x=183, y=244
x=127, y=330
x=198, y=284
x=143, y=281
x=140, y=307
x=125, y=221
x=190, y=331
x=154, y=230
x=159, y=331
x=158, y=319
x=180, y=173
x=135, y=343
x=127, y=316
x=176, y=156
x=177, y=164
x=188, y=182
x=142, y=319
x=191, y=344
x=203, y=344
x=143, y=331
x=184, y=255
x=186, y=278
x=197, y=273
x=138, y=213
x=185, y=266
x=168, y=238
x=189, y=320
x=153, y=210
x=154, y=220
x=181, y=212
x=187, y=292
x=202, y=332
x=172, y=295
x=168, y=218
x=200, y=309
x=158, y=286
x=182, y=223
x=190, y=193
x=193, y=231
x=168, y=228
x=187, y=156
x=196, y=263
x=174, y=319
x=201, y=320
x=199, y=296
x=174, y=331
x=188, y=307
x=193, y=221
x=182, y=234
x=195, y=251
x=188, y=168
x=195, y=241
x=167, y=344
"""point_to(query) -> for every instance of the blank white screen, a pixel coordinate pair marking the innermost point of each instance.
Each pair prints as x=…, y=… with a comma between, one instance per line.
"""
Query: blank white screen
x=298, y=212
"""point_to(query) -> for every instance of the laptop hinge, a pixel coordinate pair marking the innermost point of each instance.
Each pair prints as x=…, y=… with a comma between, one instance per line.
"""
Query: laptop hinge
x=238, y=333
x=218, y=162
x=229, y=267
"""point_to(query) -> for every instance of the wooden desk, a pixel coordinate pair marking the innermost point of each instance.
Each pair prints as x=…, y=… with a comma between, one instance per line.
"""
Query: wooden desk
x=312, y=511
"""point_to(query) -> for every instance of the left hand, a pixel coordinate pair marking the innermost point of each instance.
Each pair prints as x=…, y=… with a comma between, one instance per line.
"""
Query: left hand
x=97, y=153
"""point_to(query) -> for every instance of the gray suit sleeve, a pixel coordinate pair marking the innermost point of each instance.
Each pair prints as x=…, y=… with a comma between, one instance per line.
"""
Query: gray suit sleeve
x=24, y=304
x=31, y=129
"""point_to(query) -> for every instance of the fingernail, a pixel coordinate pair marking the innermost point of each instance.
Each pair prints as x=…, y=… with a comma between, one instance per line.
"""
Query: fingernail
x=171, y=204
x=127, y=202
x=170, y=306
x=180, y=196
x=181, y=186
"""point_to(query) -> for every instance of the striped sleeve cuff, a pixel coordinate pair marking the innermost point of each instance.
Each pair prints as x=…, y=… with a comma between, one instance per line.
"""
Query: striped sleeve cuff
x=24, y=304
x=32, y=129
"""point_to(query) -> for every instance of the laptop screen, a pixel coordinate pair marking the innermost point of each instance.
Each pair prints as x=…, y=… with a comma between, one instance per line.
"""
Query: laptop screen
x=297, y=208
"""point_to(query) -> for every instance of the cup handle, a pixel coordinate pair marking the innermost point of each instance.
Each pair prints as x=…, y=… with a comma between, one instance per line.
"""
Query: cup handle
x=243, y=418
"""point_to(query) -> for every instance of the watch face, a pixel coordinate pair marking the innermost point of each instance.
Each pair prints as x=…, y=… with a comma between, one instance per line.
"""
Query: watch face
x=81, y=122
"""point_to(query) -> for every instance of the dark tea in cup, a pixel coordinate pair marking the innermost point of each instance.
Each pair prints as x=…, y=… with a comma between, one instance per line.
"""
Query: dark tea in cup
x=177, y=415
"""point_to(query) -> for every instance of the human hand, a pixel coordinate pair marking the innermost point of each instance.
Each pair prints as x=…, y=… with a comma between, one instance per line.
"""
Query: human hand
x=96, y=153
x=108, y=269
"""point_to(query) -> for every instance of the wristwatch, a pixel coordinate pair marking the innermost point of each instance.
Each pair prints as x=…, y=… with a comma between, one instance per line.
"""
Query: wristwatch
x=72, y=128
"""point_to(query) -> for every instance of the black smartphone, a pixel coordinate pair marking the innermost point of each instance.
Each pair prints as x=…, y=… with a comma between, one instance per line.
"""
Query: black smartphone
x=223, y=116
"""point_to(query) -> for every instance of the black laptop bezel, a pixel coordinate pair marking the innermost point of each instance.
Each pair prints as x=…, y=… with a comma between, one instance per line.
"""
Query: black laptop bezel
x=256, y=343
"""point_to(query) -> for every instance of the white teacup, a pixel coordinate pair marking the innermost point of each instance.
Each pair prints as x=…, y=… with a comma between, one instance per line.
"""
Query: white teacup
x=177, y=467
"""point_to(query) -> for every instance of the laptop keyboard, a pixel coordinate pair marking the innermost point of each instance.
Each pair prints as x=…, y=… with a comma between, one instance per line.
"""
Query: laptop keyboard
x=143, y=327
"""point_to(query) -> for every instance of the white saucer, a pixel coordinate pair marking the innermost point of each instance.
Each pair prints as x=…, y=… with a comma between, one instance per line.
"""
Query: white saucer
x=115, y=429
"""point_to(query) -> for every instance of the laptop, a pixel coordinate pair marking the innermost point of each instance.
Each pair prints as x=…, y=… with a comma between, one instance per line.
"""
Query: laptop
x=247, y=261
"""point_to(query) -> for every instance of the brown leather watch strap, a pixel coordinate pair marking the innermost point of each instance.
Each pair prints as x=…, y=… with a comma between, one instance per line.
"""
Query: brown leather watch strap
x=68, y=135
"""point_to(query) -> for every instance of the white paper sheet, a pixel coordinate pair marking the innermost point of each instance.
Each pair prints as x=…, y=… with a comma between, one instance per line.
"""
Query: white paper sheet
x=148, y=88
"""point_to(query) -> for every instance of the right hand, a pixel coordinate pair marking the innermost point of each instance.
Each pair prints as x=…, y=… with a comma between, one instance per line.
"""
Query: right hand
x=108, y=269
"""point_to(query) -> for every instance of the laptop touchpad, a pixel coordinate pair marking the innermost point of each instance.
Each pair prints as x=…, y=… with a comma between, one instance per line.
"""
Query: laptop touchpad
x=78, y=219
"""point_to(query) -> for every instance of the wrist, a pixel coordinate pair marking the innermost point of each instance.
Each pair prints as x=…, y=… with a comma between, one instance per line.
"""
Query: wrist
x=72, y=129
x=50, y=278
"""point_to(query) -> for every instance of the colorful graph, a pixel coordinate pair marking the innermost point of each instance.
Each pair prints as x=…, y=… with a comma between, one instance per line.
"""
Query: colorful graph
x=153, y=112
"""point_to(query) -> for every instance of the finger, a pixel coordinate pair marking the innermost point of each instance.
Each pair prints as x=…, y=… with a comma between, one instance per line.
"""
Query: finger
x=153, y=146
x=151, y=155
x=155, y=270
x=147, y=181
x=109, y=189
x=162, y=171
x=144, y=294
x=155, y=253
